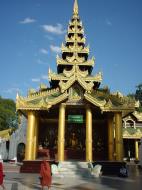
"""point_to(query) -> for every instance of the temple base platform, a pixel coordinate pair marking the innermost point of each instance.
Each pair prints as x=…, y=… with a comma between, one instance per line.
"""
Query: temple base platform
x=33, y=166
x=112, y=167
x=77, y=168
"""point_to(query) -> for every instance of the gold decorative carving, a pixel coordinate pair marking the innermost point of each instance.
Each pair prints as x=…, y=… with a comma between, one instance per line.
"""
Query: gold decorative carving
x=75, y=93
x=75, y=38
x=54, y=76
x=69, y=73
x=43, y=87
x=61, y=61
x=74, y=48
x=39, y=104
x=81, y=73
x=136, y=135
x=138, y=115
x=75, y=22
x=75, y=30
x=137, y=104
x=109, y=104
x=96, y=78
x=87, y=86
x=95, y=101
x=65, y=85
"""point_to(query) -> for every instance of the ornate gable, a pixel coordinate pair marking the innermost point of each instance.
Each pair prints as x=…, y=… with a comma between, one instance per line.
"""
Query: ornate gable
x=73, y=81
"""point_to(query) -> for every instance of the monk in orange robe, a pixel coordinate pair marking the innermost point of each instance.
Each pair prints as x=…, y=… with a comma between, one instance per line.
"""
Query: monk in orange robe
x=1, y=176
x=45, y=172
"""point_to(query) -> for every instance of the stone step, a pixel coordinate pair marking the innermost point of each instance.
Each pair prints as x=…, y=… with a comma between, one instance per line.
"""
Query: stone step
x=73, y=165
x=7, y=167
x=73, y=169
x=73, y=174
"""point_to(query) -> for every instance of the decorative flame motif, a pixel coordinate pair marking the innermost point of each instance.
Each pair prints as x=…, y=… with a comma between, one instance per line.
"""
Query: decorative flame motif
x=75, y=9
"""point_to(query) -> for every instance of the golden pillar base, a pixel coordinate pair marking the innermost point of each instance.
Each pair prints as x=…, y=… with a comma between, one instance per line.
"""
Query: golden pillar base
x=136, y=150
x=110, y=138
x=61, y=132
x=30, y=136
x=35, y=144
x=118, y=137
x=88, y=134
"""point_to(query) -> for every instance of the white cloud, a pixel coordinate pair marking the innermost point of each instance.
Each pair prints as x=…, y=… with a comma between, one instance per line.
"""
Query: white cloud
x=55, y=49
x=12, y=90
x=27, y=20
x=39, y=61
x=58, y=29
x=43, y=51
x=49, y=37
x=35, y=80
x=108, y=22
x=45, y=77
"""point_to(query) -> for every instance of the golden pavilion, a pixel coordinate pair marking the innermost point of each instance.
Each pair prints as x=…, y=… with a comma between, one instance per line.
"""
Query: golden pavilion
x=74, y=119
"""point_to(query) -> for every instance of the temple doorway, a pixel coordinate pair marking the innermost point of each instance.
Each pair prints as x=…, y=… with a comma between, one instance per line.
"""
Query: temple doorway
x=100, y=141
x=100, y=136
x=20, y=152
x=129, y=148
x=75, y=133
x=48, y=134
x=75, y=141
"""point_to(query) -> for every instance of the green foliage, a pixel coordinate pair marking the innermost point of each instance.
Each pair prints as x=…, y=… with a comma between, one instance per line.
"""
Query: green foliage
x=138, y=94
x=8, y=116
x=139, y=109
x=131, y=95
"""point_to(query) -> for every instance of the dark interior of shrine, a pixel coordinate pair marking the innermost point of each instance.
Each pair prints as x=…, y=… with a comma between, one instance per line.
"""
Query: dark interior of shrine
x=129, y=148
x=75, y=134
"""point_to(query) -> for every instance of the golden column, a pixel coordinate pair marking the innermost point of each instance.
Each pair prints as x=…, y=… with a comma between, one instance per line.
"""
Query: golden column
x=35, y=143
x=88, y=133
x=110, y=138
x=136, y=150
x=118, y=136
x=30, y=135
x=61, y=132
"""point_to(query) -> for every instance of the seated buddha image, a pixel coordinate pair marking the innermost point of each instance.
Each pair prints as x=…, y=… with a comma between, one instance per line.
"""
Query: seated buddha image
x=73, y=141
x=46, y=143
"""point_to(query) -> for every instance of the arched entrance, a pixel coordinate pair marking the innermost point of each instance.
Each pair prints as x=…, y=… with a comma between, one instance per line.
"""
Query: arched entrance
x=20, y=152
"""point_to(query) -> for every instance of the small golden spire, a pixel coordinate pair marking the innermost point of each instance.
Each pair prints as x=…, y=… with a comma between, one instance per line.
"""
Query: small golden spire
x=17, y=96
x=49, y=71
x=75, y=8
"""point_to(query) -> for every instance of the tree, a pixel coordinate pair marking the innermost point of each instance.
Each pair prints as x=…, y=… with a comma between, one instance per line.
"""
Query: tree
x=131, y=95
x=138, y=94
x=8, y=116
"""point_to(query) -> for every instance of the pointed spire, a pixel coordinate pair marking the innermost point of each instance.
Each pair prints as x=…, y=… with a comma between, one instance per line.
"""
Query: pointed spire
x=49, y=70
x=75, y=8
x=17, y=96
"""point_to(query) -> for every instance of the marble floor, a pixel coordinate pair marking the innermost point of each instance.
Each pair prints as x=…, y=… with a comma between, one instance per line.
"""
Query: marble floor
x=17, y=181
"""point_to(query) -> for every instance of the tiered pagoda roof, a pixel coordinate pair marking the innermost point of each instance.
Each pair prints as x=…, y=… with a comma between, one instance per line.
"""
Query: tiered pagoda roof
x=73, y=82
x=74, y=64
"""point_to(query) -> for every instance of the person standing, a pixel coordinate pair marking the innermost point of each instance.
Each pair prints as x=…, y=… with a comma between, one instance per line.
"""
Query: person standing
x=45, y=172
x=1, y=176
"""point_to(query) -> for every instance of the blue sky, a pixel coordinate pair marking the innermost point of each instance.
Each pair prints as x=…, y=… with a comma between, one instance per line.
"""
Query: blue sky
x=31, y=33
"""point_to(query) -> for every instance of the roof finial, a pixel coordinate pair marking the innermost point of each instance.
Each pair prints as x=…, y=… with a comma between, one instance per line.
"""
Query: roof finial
x=75, y=8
